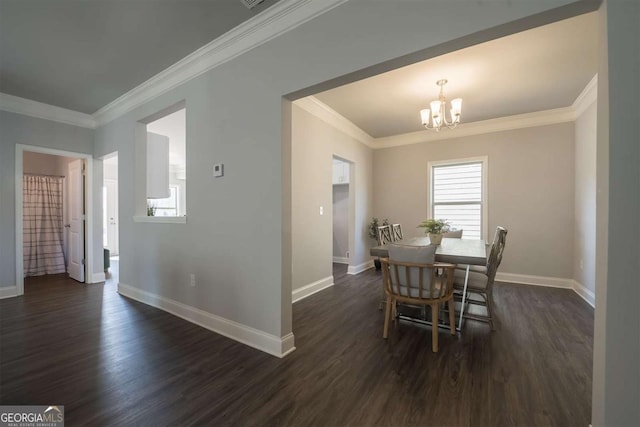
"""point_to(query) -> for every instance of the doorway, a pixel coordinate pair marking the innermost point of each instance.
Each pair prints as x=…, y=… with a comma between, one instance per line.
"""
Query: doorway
x=110, y=234
x=69, y=219
x=341, y=188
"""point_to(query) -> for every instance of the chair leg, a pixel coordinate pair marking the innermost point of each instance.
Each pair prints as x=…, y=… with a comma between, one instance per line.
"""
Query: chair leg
x=394, y=313
x=387, y=314
x=489, y=300
x=452, y=316
x=434, y=328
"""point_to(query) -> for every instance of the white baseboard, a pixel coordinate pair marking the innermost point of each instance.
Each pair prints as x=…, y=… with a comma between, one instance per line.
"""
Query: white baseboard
x=340, y=260
x=585, y=293
x=8, y=291
x=274, y=345
x=98, y=277
x=525, y=279
x=552, y=282
x=355, y=269
x=311, y=288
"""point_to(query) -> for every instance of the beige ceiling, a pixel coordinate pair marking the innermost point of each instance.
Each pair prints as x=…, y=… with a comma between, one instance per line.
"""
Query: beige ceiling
x=540, y=69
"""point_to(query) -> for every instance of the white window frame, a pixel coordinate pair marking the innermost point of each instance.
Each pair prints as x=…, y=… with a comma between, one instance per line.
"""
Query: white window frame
x=485, y=202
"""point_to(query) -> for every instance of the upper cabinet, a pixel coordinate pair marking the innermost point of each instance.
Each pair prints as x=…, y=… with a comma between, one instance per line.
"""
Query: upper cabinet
x=340, y=172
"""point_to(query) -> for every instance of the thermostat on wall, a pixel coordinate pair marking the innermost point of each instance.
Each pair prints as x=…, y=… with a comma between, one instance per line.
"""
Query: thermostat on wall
x=218, y=170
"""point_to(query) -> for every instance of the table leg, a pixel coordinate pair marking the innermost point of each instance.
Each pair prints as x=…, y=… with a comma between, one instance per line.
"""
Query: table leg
x=464, y=297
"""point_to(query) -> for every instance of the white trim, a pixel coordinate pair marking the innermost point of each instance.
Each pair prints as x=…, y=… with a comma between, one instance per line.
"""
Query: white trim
x=272, y=22
x=526, y=279
x=322, y=111
x=310, y=289
x=20, y=149
x=340, y=260
x=585, y=294
x=272, y=344
x=588, y=96
x=161, y=219
x=356, y=269
x=8, y=292
x=520, y=121
x=98, y=277
x=27, y=107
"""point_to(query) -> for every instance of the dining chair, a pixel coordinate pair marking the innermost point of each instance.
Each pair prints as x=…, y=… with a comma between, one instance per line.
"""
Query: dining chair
x=409, y=278
x=481, y=279
x=396, y=232
x=384, y=235
x=456, y=234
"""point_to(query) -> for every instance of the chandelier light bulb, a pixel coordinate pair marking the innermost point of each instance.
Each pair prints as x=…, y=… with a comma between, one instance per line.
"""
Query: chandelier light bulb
x=435, y=117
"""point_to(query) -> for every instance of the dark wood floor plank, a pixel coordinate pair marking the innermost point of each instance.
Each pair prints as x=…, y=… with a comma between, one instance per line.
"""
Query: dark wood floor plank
x=114, y=361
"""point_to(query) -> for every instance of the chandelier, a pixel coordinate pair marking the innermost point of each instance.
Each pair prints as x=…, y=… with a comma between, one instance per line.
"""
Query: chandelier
x=435, y=117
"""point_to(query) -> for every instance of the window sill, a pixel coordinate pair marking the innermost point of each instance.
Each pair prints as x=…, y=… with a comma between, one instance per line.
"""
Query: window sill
x=161, y=219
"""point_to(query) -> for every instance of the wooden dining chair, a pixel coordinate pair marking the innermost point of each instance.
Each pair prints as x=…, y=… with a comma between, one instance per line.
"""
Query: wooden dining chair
x=480, y=282
x=396, y=232
x=384, y=235
x=409, y=277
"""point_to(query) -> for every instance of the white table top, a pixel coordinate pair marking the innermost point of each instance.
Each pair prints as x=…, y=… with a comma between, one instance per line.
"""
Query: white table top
x=454, y=251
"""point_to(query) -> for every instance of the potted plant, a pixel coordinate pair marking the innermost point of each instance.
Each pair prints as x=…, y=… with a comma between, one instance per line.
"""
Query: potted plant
x=151, y=209
x=373, y=233
x=434, y=228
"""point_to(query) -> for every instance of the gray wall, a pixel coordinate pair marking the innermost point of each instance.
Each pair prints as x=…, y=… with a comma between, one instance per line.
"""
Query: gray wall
x=314, y=145
x=233, y=240
x=530, y=191
x=616, y=353
x=19, y=129
x=340, y=220
x=584, y=246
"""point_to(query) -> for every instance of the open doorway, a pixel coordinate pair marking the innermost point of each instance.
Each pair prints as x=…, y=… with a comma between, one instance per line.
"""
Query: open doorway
x=341, y=189
x=51, y=233
x=110, y=235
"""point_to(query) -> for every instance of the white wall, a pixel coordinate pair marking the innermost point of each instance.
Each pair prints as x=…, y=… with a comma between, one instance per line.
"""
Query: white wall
x=45, y=164
x=340, y=220
x=314, y=144
x=530, y=191
x=19, y=129
x=584, y=247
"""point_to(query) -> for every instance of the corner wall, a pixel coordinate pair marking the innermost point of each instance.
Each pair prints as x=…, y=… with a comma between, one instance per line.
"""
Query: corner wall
x=314, y=143
x=585, y=231
x=530, y=192
x=20, y=129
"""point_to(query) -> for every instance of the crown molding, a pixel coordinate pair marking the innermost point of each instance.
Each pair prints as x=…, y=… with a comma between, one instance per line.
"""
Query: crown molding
x=538, y=118
x=27, y=107
x=283, y=16
x=587, y=97
x=319, y=109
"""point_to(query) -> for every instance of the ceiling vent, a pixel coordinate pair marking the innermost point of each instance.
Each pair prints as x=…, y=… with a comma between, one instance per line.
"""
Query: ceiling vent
x=251, y=3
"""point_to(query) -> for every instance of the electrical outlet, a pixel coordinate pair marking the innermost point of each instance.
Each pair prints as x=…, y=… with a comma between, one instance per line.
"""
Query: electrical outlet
x=347, y=254
x=581, y=264
x=192, y=280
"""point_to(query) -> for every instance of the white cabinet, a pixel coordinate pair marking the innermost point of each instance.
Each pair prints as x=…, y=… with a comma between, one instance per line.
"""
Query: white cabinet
x=340, y=172
x=157, y=166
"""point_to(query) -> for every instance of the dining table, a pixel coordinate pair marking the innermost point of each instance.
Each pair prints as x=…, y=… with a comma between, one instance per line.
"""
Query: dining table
x=464, y=252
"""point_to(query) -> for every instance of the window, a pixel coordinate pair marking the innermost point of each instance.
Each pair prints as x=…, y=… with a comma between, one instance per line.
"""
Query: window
x=166, y=162
x=458, y=192
x=167, y=206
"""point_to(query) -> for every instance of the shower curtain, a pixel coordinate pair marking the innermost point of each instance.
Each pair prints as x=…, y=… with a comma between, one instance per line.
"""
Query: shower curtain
x=42, y=225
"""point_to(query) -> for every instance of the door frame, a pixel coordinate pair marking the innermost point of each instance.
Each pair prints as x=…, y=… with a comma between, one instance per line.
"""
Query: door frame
x=89, y=217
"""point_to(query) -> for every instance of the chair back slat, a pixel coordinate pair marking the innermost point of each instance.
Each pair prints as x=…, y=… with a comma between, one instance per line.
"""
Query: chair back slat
x=396, y=232
x=384, y=235
x=495, y=256
x=402, y=279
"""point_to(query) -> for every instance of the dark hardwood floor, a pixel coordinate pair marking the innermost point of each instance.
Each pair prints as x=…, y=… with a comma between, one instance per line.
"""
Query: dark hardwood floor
x=113, y=361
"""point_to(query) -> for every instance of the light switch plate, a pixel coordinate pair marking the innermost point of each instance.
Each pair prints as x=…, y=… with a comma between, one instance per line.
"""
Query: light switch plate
x=218, y=170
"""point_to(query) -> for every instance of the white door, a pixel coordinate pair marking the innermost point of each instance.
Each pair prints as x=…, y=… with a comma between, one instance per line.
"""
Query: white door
x=76, y=221
x=111, y=217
